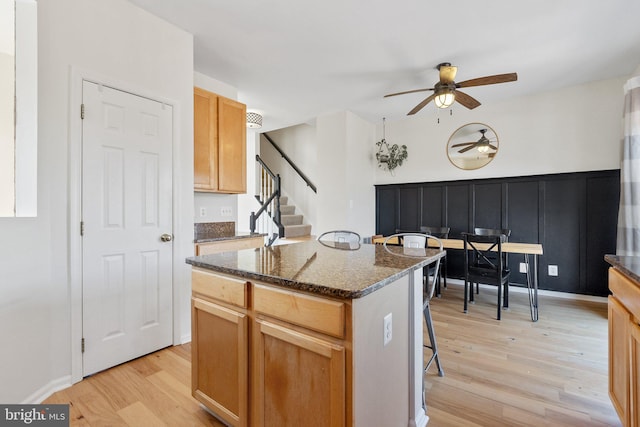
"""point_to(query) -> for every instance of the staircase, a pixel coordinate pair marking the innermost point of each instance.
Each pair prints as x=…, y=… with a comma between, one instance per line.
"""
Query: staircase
x=292, y=222
x=281, y=220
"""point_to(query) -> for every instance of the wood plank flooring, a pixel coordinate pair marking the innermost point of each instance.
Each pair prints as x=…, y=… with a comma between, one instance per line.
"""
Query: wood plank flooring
x=154, y=391
x=515, y=372
x=511, y=372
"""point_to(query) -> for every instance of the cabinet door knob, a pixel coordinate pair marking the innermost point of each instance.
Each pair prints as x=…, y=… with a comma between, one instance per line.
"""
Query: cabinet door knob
x=166, y=237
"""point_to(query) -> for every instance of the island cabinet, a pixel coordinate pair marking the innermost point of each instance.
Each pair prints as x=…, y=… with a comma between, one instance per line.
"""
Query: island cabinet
x=220, y=345
x=296, y=340
x=219, y=152
x=294, y=335
x=624, y=346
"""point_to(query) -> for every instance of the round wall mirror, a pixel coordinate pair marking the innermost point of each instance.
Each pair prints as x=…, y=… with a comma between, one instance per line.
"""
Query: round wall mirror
x=472, y=146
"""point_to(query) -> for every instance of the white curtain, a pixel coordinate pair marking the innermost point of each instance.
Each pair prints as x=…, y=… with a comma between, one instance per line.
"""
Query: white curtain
x=628, y=243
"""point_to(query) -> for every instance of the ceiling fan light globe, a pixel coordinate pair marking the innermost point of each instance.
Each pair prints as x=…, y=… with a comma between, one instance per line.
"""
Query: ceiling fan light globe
x=483, y=148
x=444, y=100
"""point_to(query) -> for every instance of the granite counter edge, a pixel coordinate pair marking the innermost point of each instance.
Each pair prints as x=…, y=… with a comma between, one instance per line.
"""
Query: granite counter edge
x=304, y=286
x=227, y=238
x=622, y=263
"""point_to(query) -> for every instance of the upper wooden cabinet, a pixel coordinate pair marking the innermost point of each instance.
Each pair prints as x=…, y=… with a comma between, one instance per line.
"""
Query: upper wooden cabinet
x=219, y=132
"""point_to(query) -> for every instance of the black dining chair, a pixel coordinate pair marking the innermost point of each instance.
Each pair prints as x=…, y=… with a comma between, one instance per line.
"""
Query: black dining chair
x=441, y=233
x=494, y=232
x=483, y=263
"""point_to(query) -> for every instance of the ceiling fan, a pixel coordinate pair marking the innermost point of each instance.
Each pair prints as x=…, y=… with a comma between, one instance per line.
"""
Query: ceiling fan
x=483, y=144
x=445, y=91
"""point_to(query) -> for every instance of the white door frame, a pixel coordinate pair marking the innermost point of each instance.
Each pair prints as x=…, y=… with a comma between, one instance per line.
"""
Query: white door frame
x=75, y=206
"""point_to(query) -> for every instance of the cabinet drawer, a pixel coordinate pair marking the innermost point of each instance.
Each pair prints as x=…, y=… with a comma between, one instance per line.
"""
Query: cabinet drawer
x=227, y=289
x=314, y=313
x=626, y=291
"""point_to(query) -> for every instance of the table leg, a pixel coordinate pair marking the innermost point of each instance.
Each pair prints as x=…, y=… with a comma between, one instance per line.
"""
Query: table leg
x=532, y=286
x=535, y=287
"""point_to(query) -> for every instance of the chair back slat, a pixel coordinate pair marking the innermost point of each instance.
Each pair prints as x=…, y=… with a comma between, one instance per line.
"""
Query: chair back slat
x=492, y=232
x=440, y=232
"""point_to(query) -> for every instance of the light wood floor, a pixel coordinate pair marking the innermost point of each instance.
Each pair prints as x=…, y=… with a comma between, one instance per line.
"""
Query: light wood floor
x=508, y=373
x=515, y=372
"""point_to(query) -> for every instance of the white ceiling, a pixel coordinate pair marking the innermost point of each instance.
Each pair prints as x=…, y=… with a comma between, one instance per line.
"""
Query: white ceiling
x=293, y=60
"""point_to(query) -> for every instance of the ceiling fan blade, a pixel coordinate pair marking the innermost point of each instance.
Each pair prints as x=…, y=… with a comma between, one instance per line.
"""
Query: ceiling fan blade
x=493, y=147
x=447, y=73
x=462, y=144
x=408, y=91
x=466, y=100
x=464, y=150
x=489, y=80
x=421, y=105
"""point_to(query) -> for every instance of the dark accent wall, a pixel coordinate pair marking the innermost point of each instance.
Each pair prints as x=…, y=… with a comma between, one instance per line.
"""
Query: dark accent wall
x=573, y=216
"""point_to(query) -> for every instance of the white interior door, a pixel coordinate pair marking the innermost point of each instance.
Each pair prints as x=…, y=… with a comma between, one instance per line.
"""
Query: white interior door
x=126, y=210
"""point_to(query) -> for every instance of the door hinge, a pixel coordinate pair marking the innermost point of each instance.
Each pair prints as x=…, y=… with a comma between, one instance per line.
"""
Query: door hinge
x=82, y=228
x=82, y=111
x=82, y=345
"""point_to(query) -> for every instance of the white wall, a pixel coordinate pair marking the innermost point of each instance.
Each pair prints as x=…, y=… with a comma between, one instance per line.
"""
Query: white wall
x=345, y=173
x=124, y=43
x=7, y=158
x=7, y=78
x=335, y=153
x=247, y=202
x=569, y=130
x=359, y=192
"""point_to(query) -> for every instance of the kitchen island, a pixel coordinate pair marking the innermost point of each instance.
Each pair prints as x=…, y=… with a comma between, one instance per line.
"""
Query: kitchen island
x=313, y=334
x=624, y=337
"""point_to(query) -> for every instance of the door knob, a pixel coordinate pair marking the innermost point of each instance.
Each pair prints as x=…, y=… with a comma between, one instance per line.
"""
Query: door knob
x=166, y=237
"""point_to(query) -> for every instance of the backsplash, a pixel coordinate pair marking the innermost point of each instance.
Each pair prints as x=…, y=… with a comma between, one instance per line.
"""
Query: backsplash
x=212, y=230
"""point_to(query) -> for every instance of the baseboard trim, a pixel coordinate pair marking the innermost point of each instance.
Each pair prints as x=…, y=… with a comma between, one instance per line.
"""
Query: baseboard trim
x=541, y=292
x=185, y=339
x=47, y=390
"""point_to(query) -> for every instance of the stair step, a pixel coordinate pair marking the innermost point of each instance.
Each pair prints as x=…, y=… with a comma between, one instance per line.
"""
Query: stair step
x=287, y=209
x=284, y=200
x=297, y=230
x=291, y=219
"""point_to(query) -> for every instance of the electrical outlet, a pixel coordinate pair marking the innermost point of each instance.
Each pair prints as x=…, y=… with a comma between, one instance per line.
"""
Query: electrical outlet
x=203, y=211
x=553, y=270
x=523, y=267
x=226, y=211
x=387, y=329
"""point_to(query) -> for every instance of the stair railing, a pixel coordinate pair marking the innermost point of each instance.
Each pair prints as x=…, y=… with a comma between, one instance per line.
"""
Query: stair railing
x=269, y=199
x=293, y=165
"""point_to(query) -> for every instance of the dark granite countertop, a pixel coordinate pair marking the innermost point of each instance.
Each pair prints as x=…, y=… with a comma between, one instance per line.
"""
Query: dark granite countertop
x=629, y=265
x=337, y=271
x=205, y=232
